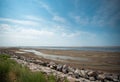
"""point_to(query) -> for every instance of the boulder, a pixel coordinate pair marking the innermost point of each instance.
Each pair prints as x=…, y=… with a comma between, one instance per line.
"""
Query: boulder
x=70, y=74
x=77, y=73
x=83, y=74
x=59, y=67
x=92, y=73
x=65, y=69
x=109, y=77
x=101, y=77
x=70, y=69
x=92, y=79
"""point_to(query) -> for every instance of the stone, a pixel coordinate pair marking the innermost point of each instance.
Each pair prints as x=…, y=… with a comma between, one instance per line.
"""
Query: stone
x=43, y=63
x=70, y=73
x=92, y=73
x=65, y=66
x=70, y=69
x=101, y=77
x=52, y=63
x=108, y=77
x=83, y=74
x=59, y=67
x=65, y=69
x=91, y=78
x=77, y=73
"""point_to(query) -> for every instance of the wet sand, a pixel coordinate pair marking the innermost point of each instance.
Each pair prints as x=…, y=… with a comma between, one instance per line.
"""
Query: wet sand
x=105, y=61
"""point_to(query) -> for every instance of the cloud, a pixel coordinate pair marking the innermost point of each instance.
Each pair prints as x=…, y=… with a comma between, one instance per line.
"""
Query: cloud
x=22, y=22
x=59, y=19
x=30, y=17
x=77, y=34
x=22, y=31
x=106, y=14
x=46, y=7
x=17, y=35
x=82, y=20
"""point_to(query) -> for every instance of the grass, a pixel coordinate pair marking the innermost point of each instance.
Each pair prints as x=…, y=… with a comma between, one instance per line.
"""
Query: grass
x=11, y=71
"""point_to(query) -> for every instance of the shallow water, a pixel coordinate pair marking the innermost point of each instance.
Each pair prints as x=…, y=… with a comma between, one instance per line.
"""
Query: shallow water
x=104, y=49
x=56, y=57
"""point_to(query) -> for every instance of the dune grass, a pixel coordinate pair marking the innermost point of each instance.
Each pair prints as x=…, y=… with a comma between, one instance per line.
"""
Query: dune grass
x=11, y=71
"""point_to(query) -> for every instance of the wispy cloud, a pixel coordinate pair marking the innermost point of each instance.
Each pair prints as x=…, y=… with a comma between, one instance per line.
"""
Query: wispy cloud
x=47, y=7
x=34, y=18
x=18, y=35
x=59, y=19
x=82, y=20
x=23, y=22
x=106, y=14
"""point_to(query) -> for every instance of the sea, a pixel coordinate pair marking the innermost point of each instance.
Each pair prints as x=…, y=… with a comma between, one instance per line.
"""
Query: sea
x=104, y=49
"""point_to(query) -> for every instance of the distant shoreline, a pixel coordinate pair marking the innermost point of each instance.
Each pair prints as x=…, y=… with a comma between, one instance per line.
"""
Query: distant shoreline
x=99, y=48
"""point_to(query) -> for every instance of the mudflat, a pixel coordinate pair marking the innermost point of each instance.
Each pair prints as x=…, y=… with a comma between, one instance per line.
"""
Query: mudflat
x=98, y=60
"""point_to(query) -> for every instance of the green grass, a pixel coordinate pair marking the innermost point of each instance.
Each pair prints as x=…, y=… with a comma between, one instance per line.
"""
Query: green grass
x=10, y=71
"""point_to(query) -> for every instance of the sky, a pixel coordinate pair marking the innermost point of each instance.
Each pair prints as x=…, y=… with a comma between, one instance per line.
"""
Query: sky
x=59, y=23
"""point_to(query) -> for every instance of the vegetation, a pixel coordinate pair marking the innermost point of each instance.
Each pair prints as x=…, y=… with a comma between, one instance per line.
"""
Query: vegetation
x=11, y=71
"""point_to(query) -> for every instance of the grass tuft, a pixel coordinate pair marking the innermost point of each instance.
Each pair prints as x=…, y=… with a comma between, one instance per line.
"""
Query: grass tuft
x=11, y=71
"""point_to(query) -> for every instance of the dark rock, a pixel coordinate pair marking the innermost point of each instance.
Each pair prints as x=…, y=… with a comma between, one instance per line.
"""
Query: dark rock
x=65, y=69
x=43, y=63
x=109, y=78
x=59, y=67
x=92, y=73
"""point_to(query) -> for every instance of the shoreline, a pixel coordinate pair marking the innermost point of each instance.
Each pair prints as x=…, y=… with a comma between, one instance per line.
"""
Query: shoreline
x=103, y=61
x=66, y=69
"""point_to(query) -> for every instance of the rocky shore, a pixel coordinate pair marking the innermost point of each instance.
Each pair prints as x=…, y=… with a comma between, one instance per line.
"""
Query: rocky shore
x=62, y=71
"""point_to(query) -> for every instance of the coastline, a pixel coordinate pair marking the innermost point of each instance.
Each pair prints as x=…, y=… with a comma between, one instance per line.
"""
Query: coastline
x=103, y=61
x=80, y=70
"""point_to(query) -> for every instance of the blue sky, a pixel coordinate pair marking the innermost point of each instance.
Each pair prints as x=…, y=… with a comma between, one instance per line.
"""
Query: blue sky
x=59, y=23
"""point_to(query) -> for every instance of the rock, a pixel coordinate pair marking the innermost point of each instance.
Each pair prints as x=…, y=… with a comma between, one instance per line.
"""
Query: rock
x=65, y=69
x=101, y=77
x=65, y=66
x=118, y=76
x=59, y=67
x=43, y=63
x=83, y=74
x=70, y=74
x=77, y=73
x=92, y=73
x=52, y=63
x=91, y=78
x=109, y=77
x=70, y=69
